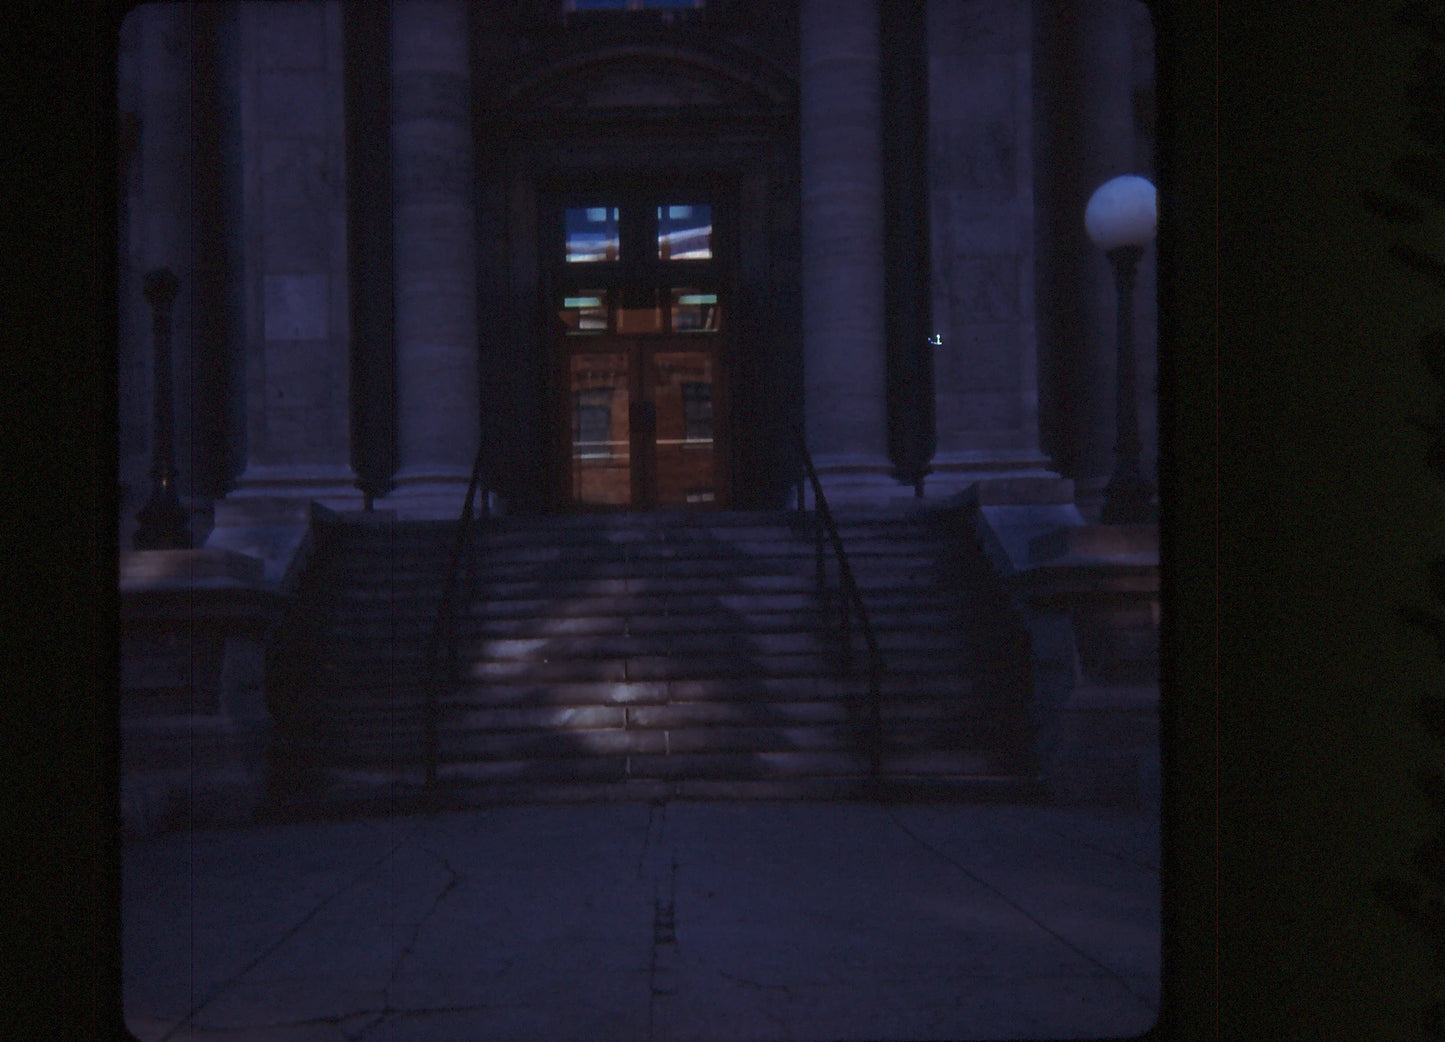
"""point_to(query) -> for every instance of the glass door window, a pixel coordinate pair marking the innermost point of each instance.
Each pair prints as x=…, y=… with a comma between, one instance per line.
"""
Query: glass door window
x=640, y=354
x=642, y=423
x=601, y=463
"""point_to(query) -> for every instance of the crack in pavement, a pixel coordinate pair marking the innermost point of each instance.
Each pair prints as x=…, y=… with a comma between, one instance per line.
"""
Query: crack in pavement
x=651, y=840
x=1134, y=862
x=762, y=987
x=338, y=1021
x=389, y=1011
x=1108, y=970
x=779, y=1020
x=188, y=1021
x=662, y=971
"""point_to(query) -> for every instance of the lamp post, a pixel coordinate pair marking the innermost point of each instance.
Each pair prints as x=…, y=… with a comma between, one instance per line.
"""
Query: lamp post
x=162, y=519
x=1121, y=218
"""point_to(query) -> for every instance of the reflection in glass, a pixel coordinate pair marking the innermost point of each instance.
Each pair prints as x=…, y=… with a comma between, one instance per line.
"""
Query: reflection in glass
x=682, y=384
x=694, y=312
x=592, y=233
x=684, y=232
x=630, y=5
x=697, y=411
x=600, y=456
x=638, y=311
x=585, y=313
x=592, y=422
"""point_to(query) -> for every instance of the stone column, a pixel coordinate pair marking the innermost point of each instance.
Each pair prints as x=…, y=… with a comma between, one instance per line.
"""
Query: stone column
x=844, y=360
x=982, y=202
x=292, y=256
x=434, y=257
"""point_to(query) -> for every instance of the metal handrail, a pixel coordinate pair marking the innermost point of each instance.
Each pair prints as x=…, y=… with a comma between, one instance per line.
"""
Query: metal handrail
x=851, y=599
x=446, y=620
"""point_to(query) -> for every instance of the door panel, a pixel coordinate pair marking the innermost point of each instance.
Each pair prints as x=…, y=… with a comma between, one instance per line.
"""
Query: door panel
x=600, y=465
x=644, y=423
x=681, y=383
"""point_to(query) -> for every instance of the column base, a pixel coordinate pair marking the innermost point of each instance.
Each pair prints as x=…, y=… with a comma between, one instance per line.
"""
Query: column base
x=431, y=494
x=333, y=487
x=855, y=480
x=953, y=472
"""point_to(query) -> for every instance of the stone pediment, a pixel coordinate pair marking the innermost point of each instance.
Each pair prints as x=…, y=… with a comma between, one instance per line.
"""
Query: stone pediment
x=640, y=80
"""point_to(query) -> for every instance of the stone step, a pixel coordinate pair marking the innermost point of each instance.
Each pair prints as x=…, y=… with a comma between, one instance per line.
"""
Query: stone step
x=734, y=765
x=949, y=691
x=361, y=564
x=783, y=551
x=980, y=749
x=369, y=627
x=371, y=641
x=656, y=666
x=892, y=607
x=386, y=792
x=383, y=792
x=919, y=723
x=633, y=653
x=650, y=742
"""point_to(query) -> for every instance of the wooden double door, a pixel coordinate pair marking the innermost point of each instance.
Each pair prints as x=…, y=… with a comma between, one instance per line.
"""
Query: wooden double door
x=645, y=422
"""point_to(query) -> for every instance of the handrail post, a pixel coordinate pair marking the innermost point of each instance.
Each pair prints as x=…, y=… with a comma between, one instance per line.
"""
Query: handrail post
x=875, y=694
x=850, y=599
x=821, y=562
x=445, y=627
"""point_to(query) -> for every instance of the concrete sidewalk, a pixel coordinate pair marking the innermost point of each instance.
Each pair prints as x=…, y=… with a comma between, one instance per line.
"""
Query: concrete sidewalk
x=629, y=921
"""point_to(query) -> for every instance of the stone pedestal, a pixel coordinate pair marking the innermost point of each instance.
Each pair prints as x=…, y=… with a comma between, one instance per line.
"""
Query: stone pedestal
x=194, y=726
x=1090, y=594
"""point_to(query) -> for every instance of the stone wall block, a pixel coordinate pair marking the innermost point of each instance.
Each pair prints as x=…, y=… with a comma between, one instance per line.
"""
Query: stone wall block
x=429, y=35
x=432, y=95
x=981, y=411
x=984, y=287
x=970, y=26
x=970, y=228
x=294, y=103
x=982, y=358
x=431, y=165
x=296, y=307
x=429, y=317
x=965, y=87
x=975, y=156
x=291, y=35
x=298, y=191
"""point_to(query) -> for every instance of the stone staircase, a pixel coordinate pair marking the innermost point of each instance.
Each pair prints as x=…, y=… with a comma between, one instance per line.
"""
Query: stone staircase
x=651, y=656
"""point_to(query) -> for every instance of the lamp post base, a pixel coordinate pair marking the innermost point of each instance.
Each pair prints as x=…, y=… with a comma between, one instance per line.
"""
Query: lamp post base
x=163, y=523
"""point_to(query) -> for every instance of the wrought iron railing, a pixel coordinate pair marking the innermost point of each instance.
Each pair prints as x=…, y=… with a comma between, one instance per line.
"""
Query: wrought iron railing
x=850, y=600
x=445, y=628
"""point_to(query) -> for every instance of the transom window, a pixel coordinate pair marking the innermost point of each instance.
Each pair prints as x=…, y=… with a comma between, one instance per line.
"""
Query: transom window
x=633, y=310
x=630, y=5
x=680, y=232
x=637, y=263
x=593, y=234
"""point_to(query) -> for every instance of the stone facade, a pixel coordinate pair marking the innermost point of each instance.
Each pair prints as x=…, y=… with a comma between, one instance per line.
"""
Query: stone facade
x=364, y=206
x=356, y=199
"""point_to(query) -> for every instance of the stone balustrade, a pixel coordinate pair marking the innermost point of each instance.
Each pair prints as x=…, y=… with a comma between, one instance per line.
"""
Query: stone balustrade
x=1090, y=596
x=195, y=730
